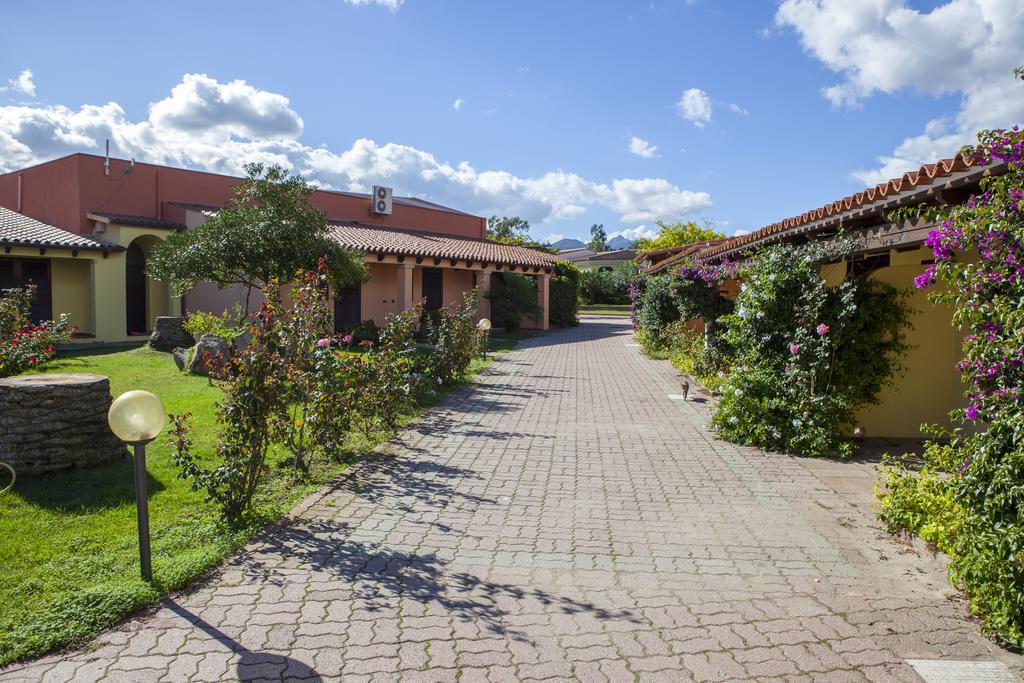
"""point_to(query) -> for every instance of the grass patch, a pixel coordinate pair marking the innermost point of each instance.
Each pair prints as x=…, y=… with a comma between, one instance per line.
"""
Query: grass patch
x=68, y=544
x=604, y=309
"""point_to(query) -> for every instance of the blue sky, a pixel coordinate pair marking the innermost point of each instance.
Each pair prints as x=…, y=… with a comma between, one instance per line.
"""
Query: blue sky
x=789, y=105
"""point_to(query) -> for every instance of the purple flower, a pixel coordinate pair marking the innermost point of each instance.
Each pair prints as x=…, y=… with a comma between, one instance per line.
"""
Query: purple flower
x=794, y=349
x=926, y=278
x=347, y=339
x=324, y=343
x=822, y=329
x=972, y=413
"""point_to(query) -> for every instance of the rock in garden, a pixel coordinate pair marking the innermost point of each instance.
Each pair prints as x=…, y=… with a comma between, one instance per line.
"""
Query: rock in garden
x=214, y=346
x=169, y=333
x=181, y=357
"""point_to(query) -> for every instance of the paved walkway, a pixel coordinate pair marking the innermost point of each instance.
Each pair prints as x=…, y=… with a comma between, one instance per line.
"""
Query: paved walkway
x=566, y=519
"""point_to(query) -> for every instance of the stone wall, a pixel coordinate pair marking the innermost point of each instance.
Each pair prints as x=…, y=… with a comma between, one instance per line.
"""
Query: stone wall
x=55, y=422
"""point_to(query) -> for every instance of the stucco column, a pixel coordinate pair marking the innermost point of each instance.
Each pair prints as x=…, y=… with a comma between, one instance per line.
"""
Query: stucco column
x=108, y=297
x=483, y=288
x=544, y=300
x=404, y=297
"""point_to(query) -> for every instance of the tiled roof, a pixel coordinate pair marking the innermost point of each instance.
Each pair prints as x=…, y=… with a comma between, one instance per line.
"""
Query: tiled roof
x=872, y=198
x=615, y=255
x=142, y=221
x=394, y=241
x=21, y=231
x=681, y=254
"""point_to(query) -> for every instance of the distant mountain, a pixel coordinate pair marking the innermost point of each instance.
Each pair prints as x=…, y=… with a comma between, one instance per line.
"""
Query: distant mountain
x=568, y=243
x=621, y=242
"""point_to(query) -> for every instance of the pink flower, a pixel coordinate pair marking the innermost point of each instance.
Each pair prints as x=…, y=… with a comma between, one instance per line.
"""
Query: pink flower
x=324, y=343
x=794, y=349
x=822, y=329
x=347, y=339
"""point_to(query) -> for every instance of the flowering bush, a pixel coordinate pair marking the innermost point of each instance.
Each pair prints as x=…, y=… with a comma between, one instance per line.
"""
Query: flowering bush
x=23, y=344
x=388, y=377
x=807, y=356
x=254, y=399
x=978, y=479
x=454, y=340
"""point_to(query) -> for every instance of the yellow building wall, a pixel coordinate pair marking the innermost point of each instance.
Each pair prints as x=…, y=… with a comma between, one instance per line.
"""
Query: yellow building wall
x=379, y=295
x=931, y=385
x=71, y=280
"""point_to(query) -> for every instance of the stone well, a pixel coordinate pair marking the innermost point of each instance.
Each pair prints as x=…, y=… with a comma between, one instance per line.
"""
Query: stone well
x=56, y=422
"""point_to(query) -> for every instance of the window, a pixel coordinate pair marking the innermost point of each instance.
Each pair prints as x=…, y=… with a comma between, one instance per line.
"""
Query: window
x=16, y=273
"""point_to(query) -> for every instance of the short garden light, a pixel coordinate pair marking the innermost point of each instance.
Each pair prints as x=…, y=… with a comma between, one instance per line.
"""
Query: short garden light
x=136, y=417
x=484, y=327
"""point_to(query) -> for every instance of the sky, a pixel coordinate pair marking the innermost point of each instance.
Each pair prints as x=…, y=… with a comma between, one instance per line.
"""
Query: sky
x=566, y=113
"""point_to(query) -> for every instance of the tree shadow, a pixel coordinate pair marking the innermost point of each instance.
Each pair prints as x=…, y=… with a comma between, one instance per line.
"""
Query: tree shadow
x=379, y=576
x=83, y=491
x=250, y=665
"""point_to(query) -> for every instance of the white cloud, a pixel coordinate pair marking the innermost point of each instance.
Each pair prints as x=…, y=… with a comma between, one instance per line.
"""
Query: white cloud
x=737, y=108
x=963, y=47
x=221, y=126
x=737, y=233
x=553, y=237
x=23, y=84
x=392, y=5
x=642, y=148
x=457, y=104
x=695, y=105
x=635, y=233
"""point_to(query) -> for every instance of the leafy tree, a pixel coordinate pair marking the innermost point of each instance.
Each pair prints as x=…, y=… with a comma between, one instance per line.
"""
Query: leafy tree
x=598, y=238
x=509, y=230
x=678, y=234
x=268, y=230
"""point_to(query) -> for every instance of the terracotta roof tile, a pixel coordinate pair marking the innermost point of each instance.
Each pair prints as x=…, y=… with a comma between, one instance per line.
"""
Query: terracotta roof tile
x=398, y=242
x=912, y=180
x=683, y=253
x=143, y=221
x=21, y=231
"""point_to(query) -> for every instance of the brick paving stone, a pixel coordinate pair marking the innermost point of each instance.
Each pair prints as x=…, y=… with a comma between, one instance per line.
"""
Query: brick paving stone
x=561, y=519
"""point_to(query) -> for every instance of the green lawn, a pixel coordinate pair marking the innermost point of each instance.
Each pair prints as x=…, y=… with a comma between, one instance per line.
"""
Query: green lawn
x=68, y=545
x=602, y=309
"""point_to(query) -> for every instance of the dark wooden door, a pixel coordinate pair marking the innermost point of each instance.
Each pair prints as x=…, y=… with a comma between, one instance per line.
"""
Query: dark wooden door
x=433, y=288
x=348, y=307
x=135, y=290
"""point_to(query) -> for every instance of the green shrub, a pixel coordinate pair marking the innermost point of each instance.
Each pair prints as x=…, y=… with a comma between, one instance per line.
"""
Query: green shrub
x=656, y=306
x=807, y=356
x=607, y=287
x=454, y=342
x=387, y=377
x=513, y=297
x=224, y=326
x=564, y=294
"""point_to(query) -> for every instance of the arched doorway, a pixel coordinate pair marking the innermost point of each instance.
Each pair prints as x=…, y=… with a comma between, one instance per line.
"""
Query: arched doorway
x=135, y=290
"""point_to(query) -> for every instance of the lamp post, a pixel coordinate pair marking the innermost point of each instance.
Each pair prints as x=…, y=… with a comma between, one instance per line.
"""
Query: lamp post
x=136, y=417
x=485, y=327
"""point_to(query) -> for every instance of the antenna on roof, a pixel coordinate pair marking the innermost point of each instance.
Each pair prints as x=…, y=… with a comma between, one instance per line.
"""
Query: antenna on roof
x=106, y=160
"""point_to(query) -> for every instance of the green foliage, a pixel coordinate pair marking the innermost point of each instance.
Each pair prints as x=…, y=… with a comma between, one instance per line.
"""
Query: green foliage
x=198, y=323
x=268, y=230
x=607, y=287
x=388, y=381
x=512, y=298
x=563, y=295
x=25, y=345
x=455, y=340
x=255, y=395
x=598, y=238
x=509, y=230
x=969, y=499
x=677, y=235
x=656, y=305
x=807, y=356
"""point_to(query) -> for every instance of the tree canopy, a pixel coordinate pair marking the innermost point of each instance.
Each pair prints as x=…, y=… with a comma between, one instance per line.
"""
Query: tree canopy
x=267, y=230
x=509, y=230
x=598, y=238
x=678, y=234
